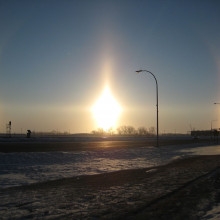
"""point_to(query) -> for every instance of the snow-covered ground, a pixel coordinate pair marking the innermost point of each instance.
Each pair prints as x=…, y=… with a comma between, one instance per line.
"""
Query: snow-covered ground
x=25, y=168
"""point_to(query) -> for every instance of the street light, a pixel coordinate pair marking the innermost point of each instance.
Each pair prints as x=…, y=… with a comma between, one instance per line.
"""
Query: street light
x=139, y=71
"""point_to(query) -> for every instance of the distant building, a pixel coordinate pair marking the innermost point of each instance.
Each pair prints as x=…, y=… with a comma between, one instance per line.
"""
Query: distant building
x=202, y=133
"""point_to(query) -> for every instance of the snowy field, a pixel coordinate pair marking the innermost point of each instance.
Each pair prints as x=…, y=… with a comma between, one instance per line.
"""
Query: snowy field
x=25, y=168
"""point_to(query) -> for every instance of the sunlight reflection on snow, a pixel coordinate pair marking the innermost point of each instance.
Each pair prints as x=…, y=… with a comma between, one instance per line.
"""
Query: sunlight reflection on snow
x=26, y=168
x=207, y=150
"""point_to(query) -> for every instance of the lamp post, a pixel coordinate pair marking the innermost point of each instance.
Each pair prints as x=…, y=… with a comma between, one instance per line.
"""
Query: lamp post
x=139, y=71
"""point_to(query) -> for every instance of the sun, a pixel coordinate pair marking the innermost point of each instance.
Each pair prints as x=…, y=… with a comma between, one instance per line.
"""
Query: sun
x=106, y=110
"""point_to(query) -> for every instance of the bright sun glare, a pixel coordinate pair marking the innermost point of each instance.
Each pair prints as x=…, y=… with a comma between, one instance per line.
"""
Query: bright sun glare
x=106, y=110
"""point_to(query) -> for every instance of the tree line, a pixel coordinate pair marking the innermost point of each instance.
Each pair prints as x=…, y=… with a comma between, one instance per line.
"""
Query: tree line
x=126, y=131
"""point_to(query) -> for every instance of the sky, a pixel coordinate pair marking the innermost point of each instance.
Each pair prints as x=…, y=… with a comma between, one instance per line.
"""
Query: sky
x=57, y=57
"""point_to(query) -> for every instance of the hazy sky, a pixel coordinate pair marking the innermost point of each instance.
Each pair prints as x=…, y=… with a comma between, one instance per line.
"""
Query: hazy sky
x=57, y=56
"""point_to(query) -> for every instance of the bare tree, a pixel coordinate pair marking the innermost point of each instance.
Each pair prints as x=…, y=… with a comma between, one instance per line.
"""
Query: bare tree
x=99, y=131
x=126, y=130
x=142, y=131
x=131, y=130
x=121, y=130
x=152, y=130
